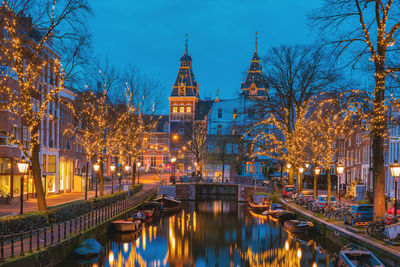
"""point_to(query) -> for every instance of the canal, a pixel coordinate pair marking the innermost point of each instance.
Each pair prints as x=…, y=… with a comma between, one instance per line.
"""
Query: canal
x=211, y=233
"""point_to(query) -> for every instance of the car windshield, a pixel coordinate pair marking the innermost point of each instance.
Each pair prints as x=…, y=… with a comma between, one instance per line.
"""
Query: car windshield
x=307, y=193
x=289, y=188
x=323, y=198
x=333, y=199
x=365, y=208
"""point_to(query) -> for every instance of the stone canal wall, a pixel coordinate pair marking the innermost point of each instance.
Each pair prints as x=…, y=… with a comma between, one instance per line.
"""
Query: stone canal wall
x=194, y=191
x=340, y=237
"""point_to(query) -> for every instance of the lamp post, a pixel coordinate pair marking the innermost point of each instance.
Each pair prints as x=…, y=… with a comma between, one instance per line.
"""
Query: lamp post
x=96, y=168
x=173, y=160
x=299, y=182
x=395, y=170
x=22, y=168
x=138, y=164
x=317, y=171
x=112, y=169
x=339, y=170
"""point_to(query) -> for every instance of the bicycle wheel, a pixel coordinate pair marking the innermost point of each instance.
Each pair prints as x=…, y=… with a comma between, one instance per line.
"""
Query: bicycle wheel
x=370, y=229
x=338, y=216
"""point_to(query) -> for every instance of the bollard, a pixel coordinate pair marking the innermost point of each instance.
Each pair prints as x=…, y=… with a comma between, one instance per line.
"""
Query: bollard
x=22, y=244
x=30, y=241
x=37, y=239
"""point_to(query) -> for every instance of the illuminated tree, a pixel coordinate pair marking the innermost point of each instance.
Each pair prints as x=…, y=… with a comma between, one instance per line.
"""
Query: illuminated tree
x=296, y=74
x=32, y=75
x=196, y=139
x=364, y=29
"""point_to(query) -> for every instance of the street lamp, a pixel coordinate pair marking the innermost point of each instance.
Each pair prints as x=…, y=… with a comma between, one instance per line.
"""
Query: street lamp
x=96, y=168
x=395, y=170
x=127, y=168
x=288, y=165
x=138, y=164
x=23, y=169
x=317, y=171
x=339, y=170
x=307, y=165
x=112, y=169
x=173, y=160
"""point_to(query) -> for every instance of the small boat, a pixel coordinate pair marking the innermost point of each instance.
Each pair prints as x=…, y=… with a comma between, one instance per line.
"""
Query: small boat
x=285, y=215
x=274, y=207
x=299, y=227
x=126, y=226
x=88, y=249
x=259, y=203
x=137, y=215
x=169, y=204
x=352, y=255
x=151, y=208
x=148, y=213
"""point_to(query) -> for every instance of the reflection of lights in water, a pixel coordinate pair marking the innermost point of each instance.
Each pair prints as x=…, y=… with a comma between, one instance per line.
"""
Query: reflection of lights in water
x=111, y=257
x=286, y=245
x=150, y=233
x=299, y=253
x=95, y=265
x=217, y=207
x=194, y=221
x=137, y=242
x=144, y=238
x=314, y=264
x=126, y=246
x=183, y=223
x=186, y=252
x=155, y=232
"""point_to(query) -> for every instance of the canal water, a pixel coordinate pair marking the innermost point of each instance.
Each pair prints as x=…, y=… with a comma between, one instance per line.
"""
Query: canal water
x=211, y=233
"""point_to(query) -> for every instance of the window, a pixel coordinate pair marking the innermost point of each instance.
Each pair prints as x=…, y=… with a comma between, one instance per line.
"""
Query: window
x=3, y=141
x=181, y=109
x=44, y=165
x=219, y=129
x=153, y=161
x=174, y=109
x=235, y=113
x=51, y=165
x=219, y=113
x=188, y=108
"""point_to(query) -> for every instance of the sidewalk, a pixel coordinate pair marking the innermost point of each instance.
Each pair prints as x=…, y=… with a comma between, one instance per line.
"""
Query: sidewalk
x=31, y=204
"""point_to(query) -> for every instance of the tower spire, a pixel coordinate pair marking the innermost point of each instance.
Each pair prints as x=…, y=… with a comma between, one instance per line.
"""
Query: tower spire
x=255, y=49
x=186, y=43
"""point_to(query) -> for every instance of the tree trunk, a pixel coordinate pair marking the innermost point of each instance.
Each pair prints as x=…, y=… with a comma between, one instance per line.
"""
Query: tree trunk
x=329, y=183
x=315, y=185
x=378, y=130
x=37, y=178
x=133, y=175
x=101, y=176
x=299, y=180
x=291, y=174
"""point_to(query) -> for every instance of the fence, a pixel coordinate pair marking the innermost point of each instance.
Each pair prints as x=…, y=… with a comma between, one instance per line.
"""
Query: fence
x=14, y=245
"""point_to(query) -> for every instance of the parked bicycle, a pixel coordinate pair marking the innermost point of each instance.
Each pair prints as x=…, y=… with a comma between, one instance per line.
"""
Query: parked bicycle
x=341, y=211
x=377, y=228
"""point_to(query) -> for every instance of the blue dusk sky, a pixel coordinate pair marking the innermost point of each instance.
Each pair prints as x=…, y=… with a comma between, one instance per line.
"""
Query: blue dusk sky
x=150, y=35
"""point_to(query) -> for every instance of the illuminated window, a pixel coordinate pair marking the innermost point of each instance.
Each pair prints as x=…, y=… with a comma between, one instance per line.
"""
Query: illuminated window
x=181, y=109
x=188, y=109
x=174, y=109
x=234, y=130
x=235, y=113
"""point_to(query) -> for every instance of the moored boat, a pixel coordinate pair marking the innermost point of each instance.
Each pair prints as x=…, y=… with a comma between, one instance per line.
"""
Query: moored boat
x=151, y=208
x=352, y=255
x=274, y=207
x=126, y=226
x=169, y=204
x=259, y=203
x=285, y=215
x=88, y=249
x=299, y=227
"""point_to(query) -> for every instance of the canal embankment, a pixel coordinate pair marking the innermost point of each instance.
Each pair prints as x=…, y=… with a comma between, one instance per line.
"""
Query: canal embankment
x=341, y=236
x=51, y=245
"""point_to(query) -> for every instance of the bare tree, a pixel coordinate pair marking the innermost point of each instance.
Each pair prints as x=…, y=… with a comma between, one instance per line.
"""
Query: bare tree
x=369, y=28
x=196, y=138
x=33, y=76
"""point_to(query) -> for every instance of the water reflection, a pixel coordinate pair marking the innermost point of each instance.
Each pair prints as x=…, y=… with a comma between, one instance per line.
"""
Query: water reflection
x=212, y=233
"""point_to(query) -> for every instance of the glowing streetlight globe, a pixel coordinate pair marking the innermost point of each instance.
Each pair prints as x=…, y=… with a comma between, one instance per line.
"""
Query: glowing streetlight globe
x=317, y=171
x=96, y=167
x=127, y=167
x=173, y=160
x=23, y=166
x=112, y=168
x=395, y=169
x=301, y=169
x=340, y=168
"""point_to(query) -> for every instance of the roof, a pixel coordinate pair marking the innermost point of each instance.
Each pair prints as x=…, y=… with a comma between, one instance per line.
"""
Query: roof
x=202, y=108
x=185, y=83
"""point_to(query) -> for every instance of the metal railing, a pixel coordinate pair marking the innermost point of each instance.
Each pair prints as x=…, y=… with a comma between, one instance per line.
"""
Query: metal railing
x=14, y=245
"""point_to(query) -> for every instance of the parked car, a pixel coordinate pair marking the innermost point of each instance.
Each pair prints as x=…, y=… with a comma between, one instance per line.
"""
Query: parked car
x=358, y=213
x=320, y=203
x=304, y=197
x=288, y=190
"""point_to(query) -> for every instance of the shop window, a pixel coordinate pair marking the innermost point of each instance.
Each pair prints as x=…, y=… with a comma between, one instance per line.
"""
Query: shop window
x=51, y=165
x=181, y=109
x=174, y=109
x=188, y=109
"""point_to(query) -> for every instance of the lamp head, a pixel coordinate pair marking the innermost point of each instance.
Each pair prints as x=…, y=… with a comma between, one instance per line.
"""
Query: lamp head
x=23, y=166
x=96, y=167
x=339, y=168
x=112, y=167
x=317, y=171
